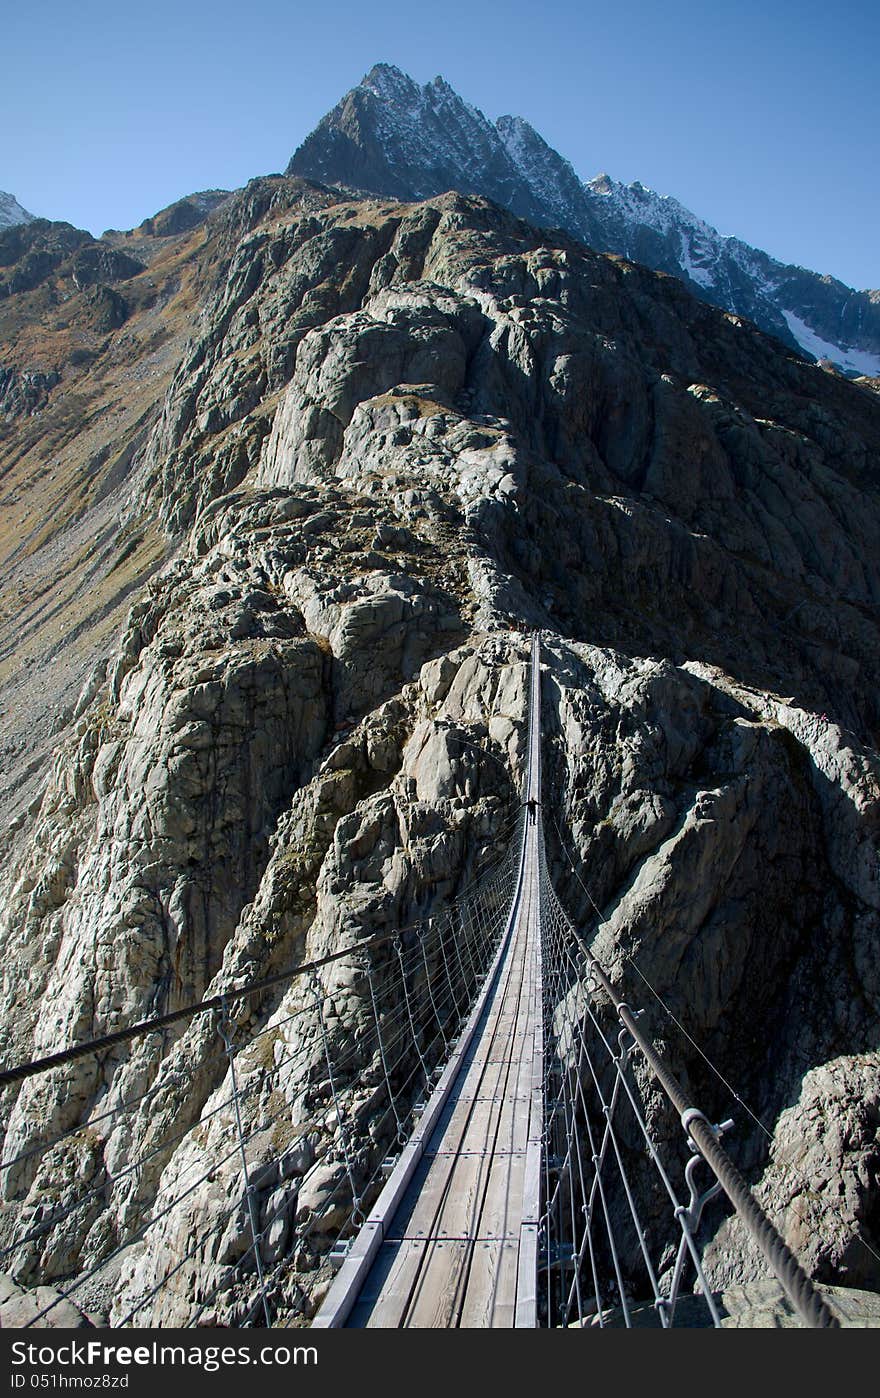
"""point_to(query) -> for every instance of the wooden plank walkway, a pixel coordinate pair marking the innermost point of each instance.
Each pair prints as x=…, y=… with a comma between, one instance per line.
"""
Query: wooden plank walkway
x=452, y=1241
x=451, y=1253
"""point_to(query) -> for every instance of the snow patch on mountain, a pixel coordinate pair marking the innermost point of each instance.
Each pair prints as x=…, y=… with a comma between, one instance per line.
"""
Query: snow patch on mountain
x=855, y=360
x=11, y=212
x=694, y=270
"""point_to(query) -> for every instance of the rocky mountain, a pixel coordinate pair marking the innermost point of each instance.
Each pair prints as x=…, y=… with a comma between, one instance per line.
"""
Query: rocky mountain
x=184, y=214
x=389, y=136
x=11, y=211
x=269, y=549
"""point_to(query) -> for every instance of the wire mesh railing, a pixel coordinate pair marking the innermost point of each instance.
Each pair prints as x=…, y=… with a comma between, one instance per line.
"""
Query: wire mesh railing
x=287, y=1152
x=623, y=1201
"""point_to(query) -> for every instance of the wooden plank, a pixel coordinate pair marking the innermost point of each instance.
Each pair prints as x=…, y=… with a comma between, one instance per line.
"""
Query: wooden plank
x=421, y=1205
x=459, y=1209
x=384, y=1299
x=484, y=1079
x=500, y=1112
x=513, y=1049
x=419, y=1285
x=526, y=1313
x=347, y=1282
x=474, y=1130
x=490, y=1297
x=340, y=1298
x=513, y=1120
x=437, y=1297
x=501, y=1214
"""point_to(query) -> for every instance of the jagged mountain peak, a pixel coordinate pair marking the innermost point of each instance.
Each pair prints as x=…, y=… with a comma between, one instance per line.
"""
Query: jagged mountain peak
x=389, y=83
x=392, y=137
x=11, y=212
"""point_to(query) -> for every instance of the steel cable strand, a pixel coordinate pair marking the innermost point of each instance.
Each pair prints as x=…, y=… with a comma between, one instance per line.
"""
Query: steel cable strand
x=690, y=1039
x=808, y=1302
x=48, y=1223
x=606, y=1214
x=551, y=1134
x=574, y=1142
x=678, y=1208
x=136, y=1237
x=224, y=1216
x=429, y=980
x=159, y=1023
x=656, y=994
x=215, y=1227
x=588, y=1198
x=559, y=1138
x=439, y=1037
x=459, y=1013
x=304, y=1234
x=416, y=1046
x=488, y=913
x=301, y=1236
x=401, y=1134
x=468, y=940
x=129, y=1239
x=548, y=1138
x=558, y=989
x=598, y=1186
x=484, y=939
x=795, y=1281
x=230, y=1275
x=467, y=921
x=576, y=978
x=302, y=1051
x=609, y=1135
x=467, y=991
x=633, y=1101
x=308, y=1231
x=572, y=1145
x=608, y=1108
x=370, y=1181
x=551, y=1137
x=138, y=1099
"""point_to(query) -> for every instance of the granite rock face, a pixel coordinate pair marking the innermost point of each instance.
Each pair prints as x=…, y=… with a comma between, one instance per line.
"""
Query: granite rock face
x=402, y=436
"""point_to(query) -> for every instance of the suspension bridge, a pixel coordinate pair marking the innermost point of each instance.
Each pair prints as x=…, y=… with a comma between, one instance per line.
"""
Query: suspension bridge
x=478, y=1151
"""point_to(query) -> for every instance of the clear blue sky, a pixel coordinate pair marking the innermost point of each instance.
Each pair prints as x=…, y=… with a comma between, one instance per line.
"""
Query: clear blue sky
x=762, y=116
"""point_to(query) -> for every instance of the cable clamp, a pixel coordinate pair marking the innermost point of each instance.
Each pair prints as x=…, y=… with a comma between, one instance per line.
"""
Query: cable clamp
x=691, y=1114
